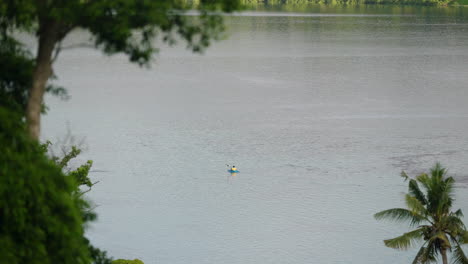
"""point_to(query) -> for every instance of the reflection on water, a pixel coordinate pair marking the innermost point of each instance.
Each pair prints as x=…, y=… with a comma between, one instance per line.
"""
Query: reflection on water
x=231, y=177
x=322, y=112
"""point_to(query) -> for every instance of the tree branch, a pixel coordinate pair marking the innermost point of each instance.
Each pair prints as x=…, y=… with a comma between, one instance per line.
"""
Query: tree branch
x=81, y=194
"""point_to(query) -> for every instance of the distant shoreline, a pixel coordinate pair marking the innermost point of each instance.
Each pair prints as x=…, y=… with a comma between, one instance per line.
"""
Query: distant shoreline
x=434, y=3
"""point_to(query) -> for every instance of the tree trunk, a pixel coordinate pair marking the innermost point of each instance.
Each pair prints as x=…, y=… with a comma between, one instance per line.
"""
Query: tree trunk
x=48, y=37
x=443, y=252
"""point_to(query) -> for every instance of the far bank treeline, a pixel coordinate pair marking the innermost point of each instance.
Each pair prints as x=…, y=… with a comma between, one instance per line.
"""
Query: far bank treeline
x=304, y=4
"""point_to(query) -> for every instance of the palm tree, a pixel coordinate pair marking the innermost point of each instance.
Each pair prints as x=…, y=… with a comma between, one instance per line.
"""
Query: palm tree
x=430, y=212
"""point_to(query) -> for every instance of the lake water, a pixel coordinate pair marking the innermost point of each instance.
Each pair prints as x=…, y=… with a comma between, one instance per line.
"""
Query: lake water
x=319, y=111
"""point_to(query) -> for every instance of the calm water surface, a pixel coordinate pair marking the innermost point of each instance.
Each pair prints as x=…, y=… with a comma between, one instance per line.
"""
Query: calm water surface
x=320, y=113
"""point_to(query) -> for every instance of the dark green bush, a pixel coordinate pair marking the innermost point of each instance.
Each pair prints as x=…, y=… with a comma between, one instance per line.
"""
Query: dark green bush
x=41, y=220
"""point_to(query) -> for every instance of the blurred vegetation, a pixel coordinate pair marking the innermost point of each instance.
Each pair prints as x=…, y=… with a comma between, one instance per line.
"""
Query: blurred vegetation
x=124, y=261
x=16, y=72
x=41, y=203
x=120, y=26
x=98, y=256
x=41, y=217
x=298, y=4
x=42, y=210
x=354, y=7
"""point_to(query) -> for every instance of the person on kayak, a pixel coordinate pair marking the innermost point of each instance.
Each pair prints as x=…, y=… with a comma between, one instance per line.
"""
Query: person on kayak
x=234, y=168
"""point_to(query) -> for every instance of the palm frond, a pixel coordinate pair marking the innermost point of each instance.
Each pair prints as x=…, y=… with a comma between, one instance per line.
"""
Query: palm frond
x=458, y=213
x=404, y=175
x=400, y=215
x=415, y=205
x=418, y=256
x=414, y=190
x=449, y=181
x=448, y=188
x=424, y=179
x=438, y=171
x=454, y=225
x=459, y=256
x=440, y=239
x=406, y=240
x=439, y=195
x=442, y=196
x=430, y=254
x=448, y=185
x=462, y=237
x=425, y=255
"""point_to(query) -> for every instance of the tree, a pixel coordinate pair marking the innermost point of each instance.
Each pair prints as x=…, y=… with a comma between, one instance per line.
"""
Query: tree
x=117, y=26
x=430, y=212
x=16, y=72
x=80, y=175
x=41, y=217
x=42, y=212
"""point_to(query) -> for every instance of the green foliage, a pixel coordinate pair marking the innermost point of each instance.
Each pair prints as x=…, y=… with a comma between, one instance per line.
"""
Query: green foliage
x=80, y=176
x=41, y=219
x=429, y=208
x=124, y=261
x=406, y=240
x=117, y=26
x=16, y=72
x=304, y=3
x=98, y=256
x=122, y=26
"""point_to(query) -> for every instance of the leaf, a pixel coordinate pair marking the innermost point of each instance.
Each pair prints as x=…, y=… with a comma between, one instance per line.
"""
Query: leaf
x=400, y=215
x=406, y=240
x=418, y=255
x=463, y=237
x=73, y=153
x=428, y=255
x=414, y=190
x=424, y=255
x=415, y=205
x=454, y=225
x=404, y=175
x=459, y=256
x=458, y=213
x=439, y=240
x=438, y=172
x=424, y=180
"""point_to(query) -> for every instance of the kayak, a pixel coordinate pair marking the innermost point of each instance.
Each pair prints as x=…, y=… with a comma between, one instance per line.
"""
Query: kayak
x=233, y=171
